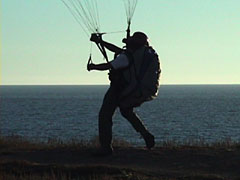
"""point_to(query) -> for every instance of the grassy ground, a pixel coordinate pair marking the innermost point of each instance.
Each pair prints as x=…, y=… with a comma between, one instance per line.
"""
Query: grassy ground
x=23, y=159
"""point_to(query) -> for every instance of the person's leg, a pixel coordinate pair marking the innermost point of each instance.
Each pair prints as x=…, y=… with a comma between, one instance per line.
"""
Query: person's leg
x=105, y=118
x=133, y=118
x=138, y=125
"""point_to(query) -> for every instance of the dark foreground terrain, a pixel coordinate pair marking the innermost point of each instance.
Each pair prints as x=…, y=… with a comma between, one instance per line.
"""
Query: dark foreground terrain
x=24, y=160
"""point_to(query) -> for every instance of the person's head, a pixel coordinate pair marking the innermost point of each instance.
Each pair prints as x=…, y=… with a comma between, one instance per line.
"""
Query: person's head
x=137, y=40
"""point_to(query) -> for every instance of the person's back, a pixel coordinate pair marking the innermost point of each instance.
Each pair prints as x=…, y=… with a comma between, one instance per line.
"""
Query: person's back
x=141, y=77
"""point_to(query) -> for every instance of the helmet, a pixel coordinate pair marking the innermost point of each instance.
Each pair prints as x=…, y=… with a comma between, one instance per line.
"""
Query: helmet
x=138, y=39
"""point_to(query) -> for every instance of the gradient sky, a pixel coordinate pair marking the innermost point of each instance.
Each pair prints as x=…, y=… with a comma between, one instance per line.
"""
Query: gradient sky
x=198, y=40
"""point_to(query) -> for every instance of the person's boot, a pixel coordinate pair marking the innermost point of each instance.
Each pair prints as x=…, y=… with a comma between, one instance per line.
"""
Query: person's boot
x=149, y=139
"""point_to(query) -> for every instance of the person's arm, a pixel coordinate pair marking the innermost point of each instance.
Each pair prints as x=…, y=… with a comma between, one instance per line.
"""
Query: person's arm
x=111, y=47
x=99, y=67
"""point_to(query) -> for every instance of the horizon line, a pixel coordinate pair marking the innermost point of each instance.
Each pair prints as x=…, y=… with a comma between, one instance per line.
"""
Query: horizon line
x=109, y=84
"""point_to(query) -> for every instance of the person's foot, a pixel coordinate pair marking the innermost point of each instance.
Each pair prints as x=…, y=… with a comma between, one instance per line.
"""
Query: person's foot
x=102, y=151
x=149, y=140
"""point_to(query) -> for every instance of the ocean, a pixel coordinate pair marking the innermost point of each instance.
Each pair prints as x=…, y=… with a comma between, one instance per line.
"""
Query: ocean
x=179, y=113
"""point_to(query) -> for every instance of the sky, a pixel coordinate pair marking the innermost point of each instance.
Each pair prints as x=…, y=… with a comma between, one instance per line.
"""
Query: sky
x=197, y=41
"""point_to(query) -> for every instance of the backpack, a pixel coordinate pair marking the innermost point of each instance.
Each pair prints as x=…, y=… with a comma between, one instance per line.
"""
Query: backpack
x=142, y=78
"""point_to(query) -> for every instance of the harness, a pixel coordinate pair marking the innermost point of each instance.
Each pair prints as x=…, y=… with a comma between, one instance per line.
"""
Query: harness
x=138, y=75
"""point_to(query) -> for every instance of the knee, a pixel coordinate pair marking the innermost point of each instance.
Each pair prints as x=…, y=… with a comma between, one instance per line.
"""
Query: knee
x=104, y=117
x=126, y=112
x=101, y=114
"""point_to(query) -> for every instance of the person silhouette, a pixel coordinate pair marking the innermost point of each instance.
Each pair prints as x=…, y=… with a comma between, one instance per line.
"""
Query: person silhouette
x=111, y=101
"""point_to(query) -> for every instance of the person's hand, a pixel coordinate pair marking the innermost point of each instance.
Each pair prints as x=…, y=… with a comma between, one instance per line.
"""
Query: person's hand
x=124, y=40
x=90, y=66
x=95, y=38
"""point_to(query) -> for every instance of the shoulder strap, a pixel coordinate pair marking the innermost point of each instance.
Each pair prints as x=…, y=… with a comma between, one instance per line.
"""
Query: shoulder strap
x=130, y=58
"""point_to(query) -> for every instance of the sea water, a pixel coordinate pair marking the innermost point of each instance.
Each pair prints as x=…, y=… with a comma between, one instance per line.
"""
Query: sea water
x=179, y=113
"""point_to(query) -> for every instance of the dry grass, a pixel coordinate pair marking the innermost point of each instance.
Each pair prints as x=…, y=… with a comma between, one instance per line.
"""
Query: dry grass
x=22, y=143
x=13, y=142
x=21, y=170
x=227, y=143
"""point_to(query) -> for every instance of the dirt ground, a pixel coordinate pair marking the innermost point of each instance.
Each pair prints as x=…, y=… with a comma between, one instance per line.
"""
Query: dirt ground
x=159, y=163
